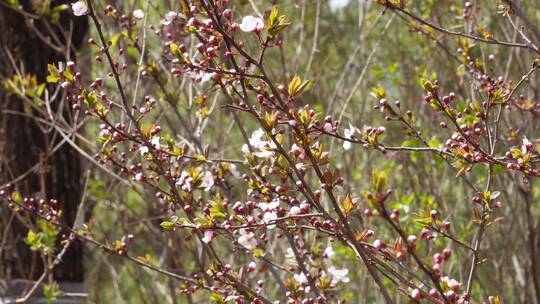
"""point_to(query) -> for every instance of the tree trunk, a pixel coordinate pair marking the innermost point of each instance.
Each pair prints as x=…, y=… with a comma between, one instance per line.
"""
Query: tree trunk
x=25, y=145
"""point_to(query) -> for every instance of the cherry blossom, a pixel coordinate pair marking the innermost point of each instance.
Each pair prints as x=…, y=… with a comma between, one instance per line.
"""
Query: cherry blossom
x=207, y=181
x=104, y=133
x=451, y=283
x=339, y=275
x=329, y=252
x=298, y=152
x=234, y=171
x=247, y=240
x=80, y=8
x=252, y=266
x=155, y=141
x=301, y=278
x=138, y=14
x=185, y=181
x=348, y=133
x=143, y=150
x=208, y=236
x=526, y=146
x=269, y=206
x=289, y=253
x=200, y=76
x=169, y=18
x=295, y=210
x=264, y=149
x=139, y=177
x=269, y=217
x=328, y=127
x=251, y=24
x=416, y=294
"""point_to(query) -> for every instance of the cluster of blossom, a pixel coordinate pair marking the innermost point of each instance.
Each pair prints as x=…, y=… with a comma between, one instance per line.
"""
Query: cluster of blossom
x=279, y=174
x=289, y=166
x=47, y=209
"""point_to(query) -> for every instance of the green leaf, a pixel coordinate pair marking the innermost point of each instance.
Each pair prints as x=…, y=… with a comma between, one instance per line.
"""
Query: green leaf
x=296, y=86
x=16, y=197
x=114, y=39
x=378, y=92
x=14, y=4
x=348, y=204
x=175, y=50
x=379, y=181
x=54, y=74
x=60, y=8
x=217, y=210
x=427, y=85
x=51, y=292
x=273, y=16
x=275, y=22
x=40, y=89
x=68, y=76
x=32, y=239
x=434, y=142
x=200, y=158
x=43, y=240
x=217, y=298
x=167, y=225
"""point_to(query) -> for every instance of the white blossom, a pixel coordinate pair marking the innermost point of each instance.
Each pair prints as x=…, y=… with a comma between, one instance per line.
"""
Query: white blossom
x=234, y=171
x=80, y=8
x=185, y=181
x=269, y=217
x=143, y=150
x=339, y=275
x=207, y=181
x=104, y=133
x=251, y=24
x=252, y=266
x=208, y=236
x=169, y=18
x=139, y=177
x=269, y=206
x=247, y=240
x=200, y=76
x=295, y=210
x=328, y=128
x=262, y=147
x=155, y=141
x=289, y=253
x=138, y=14
x=348, y=133
x=301, y=278
x=451, y=283
x=526, y=145
x=329, y=252
x=296, y=150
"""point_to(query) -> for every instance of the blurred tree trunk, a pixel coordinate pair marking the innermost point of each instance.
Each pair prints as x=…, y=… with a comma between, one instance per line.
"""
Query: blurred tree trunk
x=24, y=143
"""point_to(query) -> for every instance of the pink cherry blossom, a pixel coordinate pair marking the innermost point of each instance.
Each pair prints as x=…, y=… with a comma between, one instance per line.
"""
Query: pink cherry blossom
x=208, y=236
x=247, y=240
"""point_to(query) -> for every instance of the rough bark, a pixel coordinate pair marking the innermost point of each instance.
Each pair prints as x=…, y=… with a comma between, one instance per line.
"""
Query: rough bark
x=23, y=144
